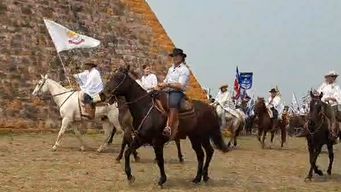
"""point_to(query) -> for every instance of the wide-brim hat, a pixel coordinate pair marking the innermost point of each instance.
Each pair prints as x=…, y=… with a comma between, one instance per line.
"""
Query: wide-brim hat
x=331, y=74
x=223, y=86
x=90, y=64
x=273, y=90
x=176, y=52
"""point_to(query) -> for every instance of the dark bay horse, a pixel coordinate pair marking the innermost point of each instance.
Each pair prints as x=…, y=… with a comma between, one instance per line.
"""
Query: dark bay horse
x=264, y=122
x=149, y=122
x=126, y=120
x=318, y=134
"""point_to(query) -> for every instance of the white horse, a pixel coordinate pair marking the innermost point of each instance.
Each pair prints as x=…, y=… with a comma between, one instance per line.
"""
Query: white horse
x=235, y=121
x=68, y=102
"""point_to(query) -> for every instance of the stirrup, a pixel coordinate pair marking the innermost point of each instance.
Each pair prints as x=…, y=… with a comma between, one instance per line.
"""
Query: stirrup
x=167, y=131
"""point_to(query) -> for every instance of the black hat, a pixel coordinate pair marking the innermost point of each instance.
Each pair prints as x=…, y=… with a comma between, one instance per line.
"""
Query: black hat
x=273, y=90
x=176, y=52
x=91, y=64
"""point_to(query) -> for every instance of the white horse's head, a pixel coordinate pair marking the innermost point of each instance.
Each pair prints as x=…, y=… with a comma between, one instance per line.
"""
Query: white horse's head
x=41, y=86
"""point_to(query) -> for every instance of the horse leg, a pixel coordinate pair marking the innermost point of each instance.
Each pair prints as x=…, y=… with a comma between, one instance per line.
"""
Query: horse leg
x=178, y=146
x=260, y=131
x=272, y=135
x=79, y=137
x=313, y=154
x=331, y=158
x=65, y=124
x=123, y=145
x=112, y=135
x=316, y=169
x=196, y=146
x=108, y=130
x=283, y=135
x=240, y=128
x=136, y=143
x=263, y=139
x=158, y=149
x=209, y=153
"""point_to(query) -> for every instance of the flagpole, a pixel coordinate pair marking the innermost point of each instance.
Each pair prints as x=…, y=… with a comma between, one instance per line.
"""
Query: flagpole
x=65, y=72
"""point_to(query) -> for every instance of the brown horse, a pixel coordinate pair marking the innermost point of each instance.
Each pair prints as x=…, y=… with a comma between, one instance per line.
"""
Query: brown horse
x=318, y=134
x=149, y=122
x=265, y=123
x=126, y=120
x=296, y=125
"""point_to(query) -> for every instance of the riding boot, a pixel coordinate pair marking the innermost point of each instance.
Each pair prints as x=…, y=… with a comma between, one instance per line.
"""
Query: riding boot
x=172, y=124
x=90, y=110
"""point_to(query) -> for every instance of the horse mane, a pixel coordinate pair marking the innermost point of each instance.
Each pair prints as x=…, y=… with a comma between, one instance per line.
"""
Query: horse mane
x=58, y=85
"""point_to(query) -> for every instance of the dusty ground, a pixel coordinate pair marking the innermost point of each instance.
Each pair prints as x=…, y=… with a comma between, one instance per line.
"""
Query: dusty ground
x=27, y=164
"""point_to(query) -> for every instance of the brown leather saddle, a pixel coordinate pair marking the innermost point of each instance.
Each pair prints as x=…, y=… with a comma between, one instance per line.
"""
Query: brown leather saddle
x=186, y=106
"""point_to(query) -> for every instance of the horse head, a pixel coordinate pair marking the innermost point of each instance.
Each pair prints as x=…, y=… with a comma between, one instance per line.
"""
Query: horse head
x=118, y=84
x=260, y=106
x=317, y=107
x=41, y=86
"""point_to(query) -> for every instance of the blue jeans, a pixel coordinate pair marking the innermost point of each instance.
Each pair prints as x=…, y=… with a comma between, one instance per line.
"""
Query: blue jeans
x=175, y=98
x=87, y=99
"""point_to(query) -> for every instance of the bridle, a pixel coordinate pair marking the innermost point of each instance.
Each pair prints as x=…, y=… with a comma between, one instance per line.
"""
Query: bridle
x=320, y=114
x=58, y=94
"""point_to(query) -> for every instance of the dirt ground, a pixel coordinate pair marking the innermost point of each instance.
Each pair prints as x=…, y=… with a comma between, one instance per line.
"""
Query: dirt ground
x=28, y=164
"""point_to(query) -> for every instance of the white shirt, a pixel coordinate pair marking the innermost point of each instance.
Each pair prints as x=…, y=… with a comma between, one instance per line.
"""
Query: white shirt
x=224, y=99
x=138, y=81
x=274, y=102
x=179, y=74
x=330, y=90
x=149, y=82
x=90, y=82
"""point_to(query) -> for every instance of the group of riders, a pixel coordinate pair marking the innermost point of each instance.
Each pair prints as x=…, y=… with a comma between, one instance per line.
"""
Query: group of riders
x=176, y=83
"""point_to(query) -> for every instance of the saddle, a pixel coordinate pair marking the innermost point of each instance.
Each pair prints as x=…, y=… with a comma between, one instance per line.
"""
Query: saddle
x=97, y=102
x=161, y=101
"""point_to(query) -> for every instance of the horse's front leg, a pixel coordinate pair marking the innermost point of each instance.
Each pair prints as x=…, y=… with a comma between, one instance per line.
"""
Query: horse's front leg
x=158, y=149
x=331, y=158
x=65, y=123
x=263, y=139
x=178, y=146
x=136, y=143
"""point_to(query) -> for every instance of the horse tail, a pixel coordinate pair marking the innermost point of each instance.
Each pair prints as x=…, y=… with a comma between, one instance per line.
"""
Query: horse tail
x=217, y=137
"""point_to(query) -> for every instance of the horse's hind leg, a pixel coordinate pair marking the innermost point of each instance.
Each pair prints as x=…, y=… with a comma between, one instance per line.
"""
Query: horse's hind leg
x=196, y=146
x=331, y=158
x=178, y=146
x=108, y=130
x=65, y=124
x=209, y=153
x=123, y=145
x=79, y=137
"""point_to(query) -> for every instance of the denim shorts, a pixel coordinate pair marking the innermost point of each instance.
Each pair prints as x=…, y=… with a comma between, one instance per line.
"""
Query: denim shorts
x=175, y=98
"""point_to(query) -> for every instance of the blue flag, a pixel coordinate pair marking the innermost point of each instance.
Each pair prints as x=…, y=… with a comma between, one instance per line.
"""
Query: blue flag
x=245, y=80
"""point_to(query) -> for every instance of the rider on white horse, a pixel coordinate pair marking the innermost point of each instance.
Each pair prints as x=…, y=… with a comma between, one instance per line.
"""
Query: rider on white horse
x=91, y=84
x=224, y=105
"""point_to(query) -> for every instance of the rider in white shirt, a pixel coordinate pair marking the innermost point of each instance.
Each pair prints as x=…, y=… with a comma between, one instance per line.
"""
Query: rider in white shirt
x=149, y=80
x=332, y=96
x=274, y=104
x=176, y=82
x=91, y=84
x=223, y=102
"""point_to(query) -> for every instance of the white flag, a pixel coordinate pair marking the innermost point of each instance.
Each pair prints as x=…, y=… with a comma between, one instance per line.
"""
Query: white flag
x=65, y=39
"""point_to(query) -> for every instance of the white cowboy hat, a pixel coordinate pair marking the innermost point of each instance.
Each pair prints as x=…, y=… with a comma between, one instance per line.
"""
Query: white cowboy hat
x=331, y=74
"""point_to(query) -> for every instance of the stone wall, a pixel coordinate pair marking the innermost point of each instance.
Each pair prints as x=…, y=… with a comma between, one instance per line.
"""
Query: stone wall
x=127, y=29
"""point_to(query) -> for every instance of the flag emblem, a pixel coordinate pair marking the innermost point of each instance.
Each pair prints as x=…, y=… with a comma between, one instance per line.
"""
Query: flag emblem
x=74, y=38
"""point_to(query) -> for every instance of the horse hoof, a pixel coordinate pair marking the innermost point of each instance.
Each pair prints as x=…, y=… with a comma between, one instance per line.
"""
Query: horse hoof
x=206, y=178
x=137, y=159
x=181, y=160
x=196, y=180
x=99, y=150
x=319, y=173
x=82, y=148
x=329, y=172
x=131, y=179
x=54, y=148
x=162, y=181
x=307, y=179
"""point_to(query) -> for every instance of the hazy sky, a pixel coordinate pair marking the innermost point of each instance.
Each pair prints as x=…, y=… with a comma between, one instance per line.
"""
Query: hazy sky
x=289, y=43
